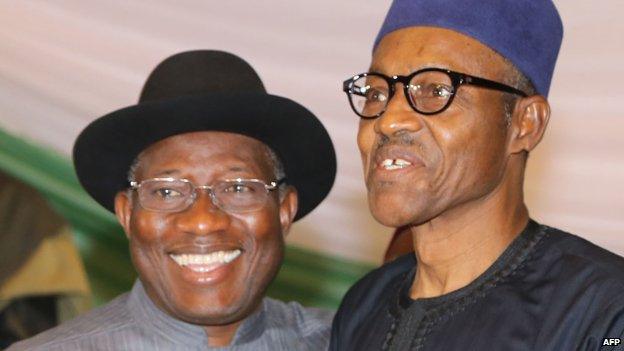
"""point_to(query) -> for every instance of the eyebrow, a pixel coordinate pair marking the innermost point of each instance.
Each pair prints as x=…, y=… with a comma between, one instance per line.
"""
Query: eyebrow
x=237, y=169
x=167, y=172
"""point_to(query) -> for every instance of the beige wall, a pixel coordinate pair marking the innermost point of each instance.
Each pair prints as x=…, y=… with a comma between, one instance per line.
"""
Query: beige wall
x=64, y=63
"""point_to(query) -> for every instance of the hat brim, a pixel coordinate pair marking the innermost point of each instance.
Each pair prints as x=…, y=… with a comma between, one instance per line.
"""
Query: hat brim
x=106, y=148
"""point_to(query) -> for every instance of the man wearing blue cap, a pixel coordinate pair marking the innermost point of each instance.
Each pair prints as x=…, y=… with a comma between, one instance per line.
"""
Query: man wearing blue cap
x=454, y=101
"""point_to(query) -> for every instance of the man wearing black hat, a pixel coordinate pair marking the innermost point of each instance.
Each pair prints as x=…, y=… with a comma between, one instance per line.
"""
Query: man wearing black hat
x=206, y=175
x=454, y=101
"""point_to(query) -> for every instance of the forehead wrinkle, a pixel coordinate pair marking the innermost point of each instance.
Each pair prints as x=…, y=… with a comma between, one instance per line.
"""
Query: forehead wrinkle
x=222, y=161
x=233, y=156
x=409, y=49
x=403, y=60
x=207, y=174
x=236, y=169
x=412, y=67
x=185, y=158
x=167, y=172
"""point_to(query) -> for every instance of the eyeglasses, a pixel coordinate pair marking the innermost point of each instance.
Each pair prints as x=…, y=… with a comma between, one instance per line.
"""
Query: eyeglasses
x=428, y=91
x=230, y=195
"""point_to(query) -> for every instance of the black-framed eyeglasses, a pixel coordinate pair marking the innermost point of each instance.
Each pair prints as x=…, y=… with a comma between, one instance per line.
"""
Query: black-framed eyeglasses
x=176, y=195
x=428, y=91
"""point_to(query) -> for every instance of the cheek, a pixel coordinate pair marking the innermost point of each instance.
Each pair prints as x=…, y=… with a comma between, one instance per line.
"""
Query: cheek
x=487, y=148
x=473, y=152
x=459, y=145
x=265, y=244
x=365, y=140
x=262, y=228
x=147, y=228
x=147, y=238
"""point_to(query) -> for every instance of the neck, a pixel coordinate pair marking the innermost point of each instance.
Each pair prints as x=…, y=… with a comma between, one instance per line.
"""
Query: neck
x=456, y=247
x=221, y=335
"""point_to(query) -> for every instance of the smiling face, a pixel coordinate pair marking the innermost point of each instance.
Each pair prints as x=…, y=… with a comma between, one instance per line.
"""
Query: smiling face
x=203, y=265
x=419, y=167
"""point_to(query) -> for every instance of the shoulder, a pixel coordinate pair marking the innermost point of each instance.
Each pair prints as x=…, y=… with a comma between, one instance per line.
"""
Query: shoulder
x=71, y=334
x=305, y=321
x=368, y=295
x=572, y=255
x=375, y=284
x=580, y=282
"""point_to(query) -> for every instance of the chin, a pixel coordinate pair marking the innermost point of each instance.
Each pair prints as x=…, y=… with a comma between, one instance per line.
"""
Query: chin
x=398, y=211
x=212, y=306
x=393, y=219
x=390, y=216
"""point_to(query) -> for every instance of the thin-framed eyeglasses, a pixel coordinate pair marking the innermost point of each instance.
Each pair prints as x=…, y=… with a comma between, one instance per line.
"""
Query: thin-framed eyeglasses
x=428, y=91
x=230, y=195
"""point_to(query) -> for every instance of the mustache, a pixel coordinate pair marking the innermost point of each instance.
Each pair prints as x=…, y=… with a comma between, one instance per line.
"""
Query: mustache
x=403, y=139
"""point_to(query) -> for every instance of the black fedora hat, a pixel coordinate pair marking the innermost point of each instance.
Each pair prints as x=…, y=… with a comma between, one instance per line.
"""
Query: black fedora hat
x=206, y=90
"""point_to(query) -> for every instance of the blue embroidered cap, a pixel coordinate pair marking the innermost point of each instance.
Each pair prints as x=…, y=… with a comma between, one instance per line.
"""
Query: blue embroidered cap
x=526, y=32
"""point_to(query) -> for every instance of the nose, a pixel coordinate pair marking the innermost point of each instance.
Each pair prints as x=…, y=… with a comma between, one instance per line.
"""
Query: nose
x=399, y=116
x=203, y=217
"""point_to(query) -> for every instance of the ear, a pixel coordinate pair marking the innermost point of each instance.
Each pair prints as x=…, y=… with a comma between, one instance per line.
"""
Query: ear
x=288, y=209
x=123, y=210
x=530, y=118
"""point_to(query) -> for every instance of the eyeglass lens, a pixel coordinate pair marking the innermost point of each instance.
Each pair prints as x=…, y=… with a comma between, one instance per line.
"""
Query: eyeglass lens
x=177, y=195
x=428, y=92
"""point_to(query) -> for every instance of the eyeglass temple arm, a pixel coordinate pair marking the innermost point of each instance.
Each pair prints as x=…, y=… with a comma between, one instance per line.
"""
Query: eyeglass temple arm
x=348, y=87
x=274, y=184
x=486, y=83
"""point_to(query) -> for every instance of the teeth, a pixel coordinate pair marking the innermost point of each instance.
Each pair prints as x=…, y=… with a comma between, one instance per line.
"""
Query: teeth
x=392, y=164
x=218, y=257
x=387, y=162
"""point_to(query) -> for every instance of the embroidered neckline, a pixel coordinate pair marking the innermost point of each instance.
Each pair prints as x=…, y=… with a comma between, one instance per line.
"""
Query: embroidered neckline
x=447, y=305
